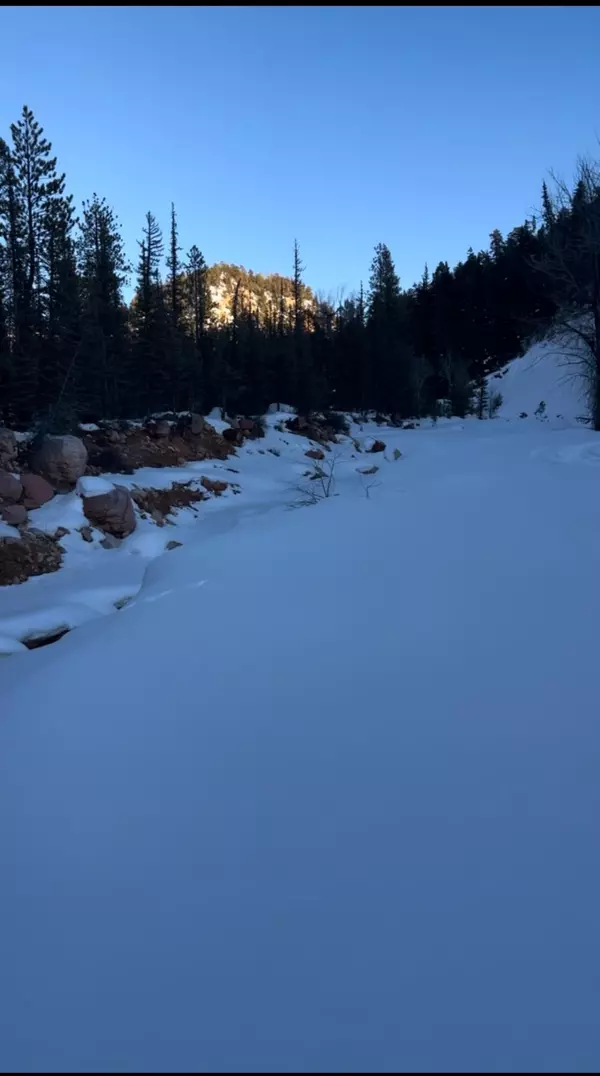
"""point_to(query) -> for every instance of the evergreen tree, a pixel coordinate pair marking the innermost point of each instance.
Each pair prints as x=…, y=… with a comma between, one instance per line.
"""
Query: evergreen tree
x=103, y=270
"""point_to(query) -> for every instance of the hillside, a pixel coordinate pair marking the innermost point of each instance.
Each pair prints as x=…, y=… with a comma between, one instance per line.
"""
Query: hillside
x=541, y=374
x=263, y=295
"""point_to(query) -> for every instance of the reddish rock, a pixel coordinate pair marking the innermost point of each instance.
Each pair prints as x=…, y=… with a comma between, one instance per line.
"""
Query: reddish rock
x=213, y=485
x=36, y=491
x=62, y=460
x=111, y=512
x=377, y=446
x=10, y=488
x=315, y=454
x=13, y=514
x=246, y=424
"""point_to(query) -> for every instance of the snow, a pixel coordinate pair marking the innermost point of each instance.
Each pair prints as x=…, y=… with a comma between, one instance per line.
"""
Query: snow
x=541, y=374
x=93, y=487
x=323, y=794
x=64, y=510
x=6, y=531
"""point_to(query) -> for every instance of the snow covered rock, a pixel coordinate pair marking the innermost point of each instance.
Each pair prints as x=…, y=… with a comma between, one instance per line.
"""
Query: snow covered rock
x=10, y=488
x=315, y=454
x=36, y=490
x=112, y=511
x=62, y=460
x=376, y=446
x=8, y=447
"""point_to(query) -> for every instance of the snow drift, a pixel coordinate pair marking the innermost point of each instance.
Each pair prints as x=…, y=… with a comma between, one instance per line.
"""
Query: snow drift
x=325, y=794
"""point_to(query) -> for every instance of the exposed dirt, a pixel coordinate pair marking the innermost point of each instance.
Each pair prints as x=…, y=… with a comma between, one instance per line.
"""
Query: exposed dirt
x=32, y=554
x=163, y=502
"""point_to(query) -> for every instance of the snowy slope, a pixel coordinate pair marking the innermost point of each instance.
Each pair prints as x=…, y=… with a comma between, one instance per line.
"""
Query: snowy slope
x=541, y=374
x=325, y=794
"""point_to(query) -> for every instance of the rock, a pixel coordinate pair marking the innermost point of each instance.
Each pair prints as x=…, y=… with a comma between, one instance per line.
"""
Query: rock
x=32, y=554
x=246, y=424
x=523, y=414
x=13, y=514
x=36, y=490
x=158, y=517
x=198, y=424
x=234, y=436
x=113, y=437
x=377, y=446
x=87, y=534
x=110, y=541
x=60, y=533
x=315, y=454
x=61, y=460
x=8, y=447
x=173, y=544
x=368, y=470
x=213, y=485
x=161, y=428
x=10, y=488
x=111, y=512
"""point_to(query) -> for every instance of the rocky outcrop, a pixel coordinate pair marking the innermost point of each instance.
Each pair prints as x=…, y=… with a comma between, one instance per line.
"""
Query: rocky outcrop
x=31, y=554
x=111, y=512
x=119, y=450
x=36, y=490
x=61, y=460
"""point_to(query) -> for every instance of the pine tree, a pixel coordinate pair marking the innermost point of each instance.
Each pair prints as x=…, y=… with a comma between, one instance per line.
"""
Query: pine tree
x=174, y=266
x=104, y=271
x=152, y=337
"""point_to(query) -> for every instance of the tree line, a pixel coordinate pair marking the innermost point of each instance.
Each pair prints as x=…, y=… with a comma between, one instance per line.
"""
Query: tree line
x=72, y=349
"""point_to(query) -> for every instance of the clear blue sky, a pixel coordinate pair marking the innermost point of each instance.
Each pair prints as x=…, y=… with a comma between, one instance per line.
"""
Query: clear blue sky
x=424, y=128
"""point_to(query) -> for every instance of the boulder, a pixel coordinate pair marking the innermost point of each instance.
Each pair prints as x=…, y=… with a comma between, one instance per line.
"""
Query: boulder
x=197, y=424
x=36, y=491
x=111, y=512
x=10, y=488
x=8, y=447
x=173, y=544
x=246, y=424
x=377, y=446
x=13, y=514
x=234, y=436
x=62, y=460
x=161, y=429
x=315, y=454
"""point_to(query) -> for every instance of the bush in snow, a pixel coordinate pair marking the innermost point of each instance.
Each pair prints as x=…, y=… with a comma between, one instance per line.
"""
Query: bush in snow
x=336, y=422
x=494, y=403
x=540, y=411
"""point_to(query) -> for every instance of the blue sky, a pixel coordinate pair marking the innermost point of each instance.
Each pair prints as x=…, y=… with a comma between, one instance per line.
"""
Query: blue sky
x=424, y=128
